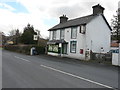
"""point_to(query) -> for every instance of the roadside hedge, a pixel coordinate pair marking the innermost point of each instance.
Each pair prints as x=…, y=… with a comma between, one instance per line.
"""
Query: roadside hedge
x=25, y=49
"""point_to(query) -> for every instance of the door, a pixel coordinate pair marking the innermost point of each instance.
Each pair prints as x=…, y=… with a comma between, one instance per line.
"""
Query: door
x=64, y=48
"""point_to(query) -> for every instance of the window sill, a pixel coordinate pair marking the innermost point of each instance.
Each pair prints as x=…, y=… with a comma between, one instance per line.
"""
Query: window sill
x=65, y=53
x=73, y=38
x=72, y=52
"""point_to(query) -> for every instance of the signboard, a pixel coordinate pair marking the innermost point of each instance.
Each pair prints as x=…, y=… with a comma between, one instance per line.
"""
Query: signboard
x=35, y=37
x=60, y=44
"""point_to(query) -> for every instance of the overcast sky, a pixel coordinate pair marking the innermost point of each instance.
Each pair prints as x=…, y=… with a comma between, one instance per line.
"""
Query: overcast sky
x=44, y=14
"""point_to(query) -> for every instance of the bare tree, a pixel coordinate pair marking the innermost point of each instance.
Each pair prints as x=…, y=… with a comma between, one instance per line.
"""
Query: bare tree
x=14, y=35
x=12, y=32
x=2, y=38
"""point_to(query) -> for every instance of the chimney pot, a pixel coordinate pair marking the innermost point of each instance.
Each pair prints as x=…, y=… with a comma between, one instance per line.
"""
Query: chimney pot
x=63, y=19
x=98, y=9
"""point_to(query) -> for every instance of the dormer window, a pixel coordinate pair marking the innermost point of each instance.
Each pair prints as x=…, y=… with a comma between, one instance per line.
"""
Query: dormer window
x=82, y=29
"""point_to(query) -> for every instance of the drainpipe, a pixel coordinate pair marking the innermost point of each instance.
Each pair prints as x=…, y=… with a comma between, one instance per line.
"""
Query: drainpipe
x=91, y=50
x=91, y=44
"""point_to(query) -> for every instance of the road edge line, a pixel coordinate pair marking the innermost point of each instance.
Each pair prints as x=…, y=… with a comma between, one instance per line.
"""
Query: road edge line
x=75, y=76
x=22, y=59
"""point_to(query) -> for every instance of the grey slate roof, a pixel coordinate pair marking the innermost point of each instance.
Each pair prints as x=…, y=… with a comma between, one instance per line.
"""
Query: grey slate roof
x=74, y=22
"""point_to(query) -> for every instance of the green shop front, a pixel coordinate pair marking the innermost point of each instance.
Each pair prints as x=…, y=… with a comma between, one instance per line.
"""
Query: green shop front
x=57, y=47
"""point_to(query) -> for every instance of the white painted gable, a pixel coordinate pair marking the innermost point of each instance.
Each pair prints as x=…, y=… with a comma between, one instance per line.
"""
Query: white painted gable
x=98, y=35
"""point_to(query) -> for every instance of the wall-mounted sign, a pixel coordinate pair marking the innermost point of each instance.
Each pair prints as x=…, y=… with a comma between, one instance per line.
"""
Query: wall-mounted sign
x=81, y=51
x=60, y=44
x=35, y=37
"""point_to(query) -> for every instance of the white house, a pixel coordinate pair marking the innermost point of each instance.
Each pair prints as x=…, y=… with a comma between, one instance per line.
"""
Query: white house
x=78, y=37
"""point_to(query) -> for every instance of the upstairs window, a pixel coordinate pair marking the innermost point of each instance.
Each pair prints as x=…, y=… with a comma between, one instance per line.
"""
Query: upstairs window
x=54, y=35
x=62, y=34
x=82, y=29
x=50, y=35
x=74, y=32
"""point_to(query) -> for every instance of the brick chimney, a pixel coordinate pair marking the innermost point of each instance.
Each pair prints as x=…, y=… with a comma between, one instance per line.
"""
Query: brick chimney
x=98, y=9
x=63, y=19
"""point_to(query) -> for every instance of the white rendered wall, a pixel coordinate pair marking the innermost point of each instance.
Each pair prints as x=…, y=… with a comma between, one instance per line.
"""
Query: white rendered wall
x=116, y=58
x=98, y=35
x=50, y=35
x=80, y=44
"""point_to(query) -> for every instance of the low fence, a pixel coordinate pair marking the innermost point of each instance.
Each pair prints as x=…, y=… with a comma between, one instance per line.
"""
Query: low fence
x=101, y=56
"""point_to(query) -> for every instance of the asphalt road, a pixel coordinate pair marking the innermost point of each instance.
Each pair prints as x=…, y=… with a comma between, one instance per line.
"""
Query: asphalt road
x=23, y=71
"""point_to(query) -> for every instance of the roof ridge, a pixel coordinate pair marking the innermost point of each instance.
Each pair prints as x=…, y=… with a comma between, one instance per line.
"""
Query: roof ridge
x=74, y=22
x=81, y=17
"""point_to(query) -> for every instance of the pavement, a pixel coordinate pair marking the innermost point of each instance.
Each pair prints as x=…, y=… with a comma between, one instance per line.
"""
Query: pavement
x=43, y=71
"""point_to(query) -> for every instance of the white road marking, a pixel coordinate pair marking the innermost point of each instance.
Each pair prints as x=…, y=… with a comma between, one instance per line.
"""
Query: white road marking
x=22, y=59
x=91, y=81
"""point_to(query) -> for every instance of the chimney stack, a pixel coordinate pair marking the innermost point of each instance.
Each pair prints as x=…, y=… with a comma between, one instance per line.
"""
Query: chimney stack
x=63, y=19
x=98, y=9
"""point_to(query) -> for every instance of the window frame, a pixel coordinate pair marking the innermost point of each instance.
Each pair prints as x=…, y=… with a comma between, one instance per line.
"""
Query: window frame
x=72, y=28
x=71, y=46
x=82, y=29
x=53, y=48
x=62, y=30
x=54, y=35
x=64, y=47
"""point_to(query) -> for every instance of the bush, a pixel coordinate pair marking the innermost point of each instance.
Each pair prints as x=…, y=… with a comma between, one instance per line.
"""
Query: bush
x=25, y=49
x=40, y=49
